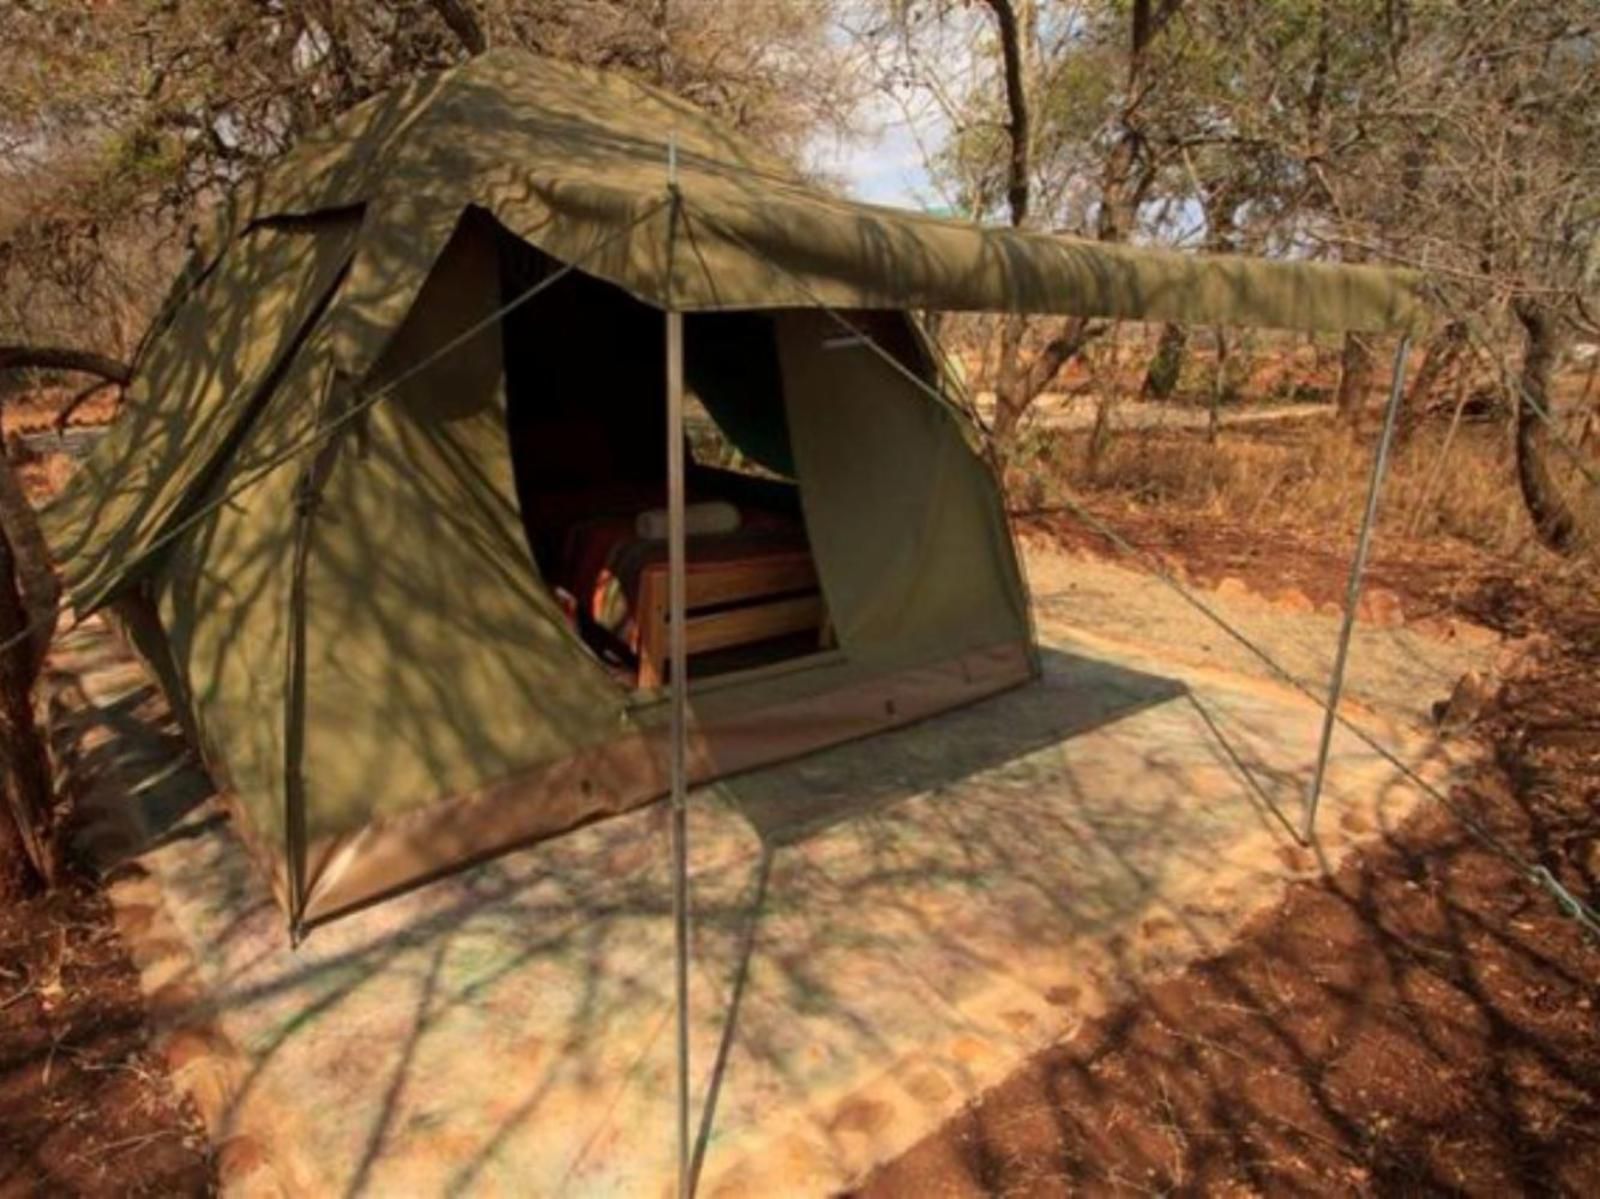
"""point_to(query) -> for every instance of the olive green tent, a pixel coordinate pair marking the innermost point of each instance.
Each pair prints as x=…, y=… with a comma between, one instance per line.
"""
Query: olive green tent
x=311, y=513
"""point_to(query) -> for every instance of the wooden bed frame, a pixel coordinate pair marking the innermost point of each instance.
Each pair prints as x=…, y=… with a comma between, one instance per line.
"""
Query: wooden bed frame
x=752, y=599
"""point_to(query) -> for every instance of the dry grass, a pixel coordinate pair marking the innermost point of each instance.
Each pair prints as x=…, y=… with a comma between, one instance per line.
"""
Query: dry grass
x=1303, y=476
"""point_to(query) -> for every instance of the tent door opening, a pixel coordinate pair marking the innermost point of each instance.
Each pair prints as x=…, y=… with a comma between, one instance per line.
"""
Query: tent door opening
x=586, y=423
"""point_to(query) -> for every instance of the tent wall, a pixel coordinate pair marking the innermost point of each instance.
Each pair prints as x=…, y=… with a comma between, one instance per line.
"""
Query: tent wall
x=376, y=671
x=740, y=726
x=908, y=532
x=202, y=380
x=436, y=659
x=449, y=711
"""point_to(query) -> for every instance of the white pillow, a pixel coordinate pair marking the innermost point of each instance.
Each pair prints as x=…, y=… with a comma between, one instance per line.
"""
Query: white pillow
x=714, y=516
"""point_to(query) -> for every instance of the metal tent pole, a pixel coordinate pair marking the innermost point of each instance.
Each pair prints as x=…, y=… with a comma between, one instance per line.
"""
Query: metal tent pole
x=677, y=656
x=1352, y=598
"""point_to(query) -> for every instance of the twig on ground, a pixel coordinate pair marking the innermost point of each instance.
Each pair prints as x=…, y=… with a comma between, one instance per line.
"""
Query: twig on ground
x=103, y=1151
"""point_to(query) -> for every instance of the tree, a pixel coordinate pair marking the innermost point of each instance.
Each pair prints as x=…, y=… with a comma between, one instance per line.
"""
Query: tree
x=27, y=854
x=1018, y=382
x=1067, y=96
x=121, y=124
x=30, y=597
x=1462, y=139
x=1554, y=520
x=1367, y=131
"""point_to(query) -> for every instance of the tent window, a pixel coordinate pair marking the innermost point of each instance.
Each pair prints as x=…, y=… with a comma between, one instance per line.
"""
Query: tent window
x=585, y=417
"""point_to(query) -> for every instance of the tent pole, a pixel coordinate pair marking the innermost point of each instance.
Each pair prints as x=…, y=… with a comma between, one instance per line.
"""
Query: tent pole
x=677, y=657
x=1352, y=597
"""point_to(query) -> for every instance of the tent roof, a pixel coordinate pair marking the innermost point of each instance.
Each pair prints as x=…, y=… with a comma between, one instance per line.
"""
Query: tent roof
x=568, y=158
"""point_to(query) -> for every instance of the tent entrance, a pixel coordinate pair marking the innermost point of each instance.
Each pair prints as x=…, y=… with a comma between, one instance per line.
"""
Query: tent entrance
x=586, y=425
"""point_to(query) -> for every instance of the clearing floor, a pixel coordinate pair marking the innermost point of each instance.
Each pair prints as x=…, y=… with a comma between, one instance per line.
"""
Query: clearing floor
x=881, y=931
x=1421, y=1021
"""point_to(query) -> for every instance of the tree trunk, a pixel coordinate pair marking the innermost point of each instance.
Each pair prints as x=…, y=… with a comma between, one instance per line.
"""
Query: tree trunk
x=26, y=858
x=35, y=578
x=1219, y=384
x=1443, y=350
x=463, y=22
x=1553, y=519
x=1166, y=365
x=1015, y=29
x=1011, y=398
x=1099, y=436
x=1355, y=378
x=1016, y=385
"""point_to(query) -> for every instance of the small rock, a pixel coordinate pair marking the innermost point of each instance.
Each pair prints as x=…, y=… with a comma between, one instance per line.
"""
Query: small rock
x=1174, y=566
x=238, y=1158
x=1296, y=858
x=1232, y=588
x=172, y=1004
x=1381, y=607
x=861, y=1115
x=1471, y=695
x=1292, y=599
x=212, y=1085
x=134, y=919
x=1066, y=995
x=1471, y=634
x=929, y=1086
x=191, y=1044
x=1520, y=655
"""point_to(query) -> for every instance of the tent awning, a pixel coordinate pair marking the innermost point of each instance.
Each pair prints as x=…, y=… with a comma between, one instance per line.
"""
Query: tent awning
x=567, y=158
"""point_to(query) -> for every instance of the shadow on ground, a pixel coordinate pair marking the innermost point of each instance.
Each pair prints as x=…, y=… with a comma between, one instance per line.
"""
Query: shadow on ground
x=1422, y=1022
x=880, y=930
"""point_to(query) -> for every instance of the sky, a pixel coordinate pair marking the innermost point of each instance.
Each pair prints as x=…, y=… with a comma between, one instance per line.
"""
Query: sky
x=885, y=162
x=883, y=166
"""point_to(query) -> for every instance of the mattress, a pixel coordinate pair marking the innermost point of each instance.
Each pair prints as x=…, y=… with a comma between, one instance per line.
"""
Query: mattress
x=603, y=559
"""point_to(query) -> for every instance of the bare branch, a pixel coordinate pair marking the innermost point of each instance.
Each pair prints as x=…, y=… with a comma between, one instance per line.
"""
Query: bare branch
x=59, y=358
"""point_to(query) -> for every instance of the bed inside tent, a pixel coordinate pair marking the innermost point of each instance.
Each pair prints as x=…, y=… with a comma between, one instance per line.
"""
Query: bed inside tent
x=583, y=376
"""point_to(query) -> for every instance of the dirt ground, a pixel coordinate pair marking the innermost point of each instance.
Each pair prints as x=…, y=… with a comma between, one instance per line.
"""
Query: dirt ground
x=88, y=1109
x=1421, y=1022
x=1434, y=580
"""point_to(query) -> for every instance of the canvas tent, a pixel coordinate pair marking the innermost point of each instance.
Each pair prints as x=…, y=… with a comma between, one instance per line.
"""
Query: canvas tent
x=360, y=636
